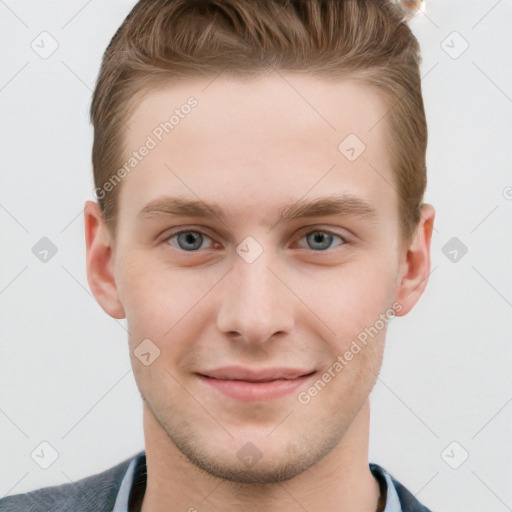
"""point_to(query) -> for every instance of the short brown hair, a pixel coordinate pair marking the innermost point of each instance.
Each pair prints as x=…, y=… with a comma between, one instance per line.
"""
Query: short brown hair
x=162, y=41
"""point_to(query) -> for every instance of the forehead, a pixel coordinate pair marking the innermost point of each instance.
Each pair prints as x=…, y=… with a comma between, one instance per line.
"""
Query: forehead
x=261, y=141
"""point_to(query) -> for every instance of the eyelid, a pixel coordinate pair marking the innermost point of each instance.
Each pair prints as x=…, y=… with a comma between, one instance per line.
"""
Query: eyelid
x=314, y=228
x=185, y=229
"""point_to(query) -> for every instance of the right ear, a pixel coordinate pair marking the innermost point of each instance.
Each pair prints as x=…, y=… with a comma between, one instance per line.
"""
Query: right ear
x=99, y=261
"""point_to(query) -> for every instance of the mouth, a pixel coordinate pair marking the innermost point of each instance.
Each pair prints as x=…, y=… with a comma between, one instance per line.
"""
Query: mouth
x=250, y=385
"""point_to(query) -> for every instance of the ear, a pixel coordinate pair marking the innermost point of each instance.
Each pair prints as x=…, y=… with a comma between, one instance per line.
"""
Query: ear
x=414, y=266
x=99, y=261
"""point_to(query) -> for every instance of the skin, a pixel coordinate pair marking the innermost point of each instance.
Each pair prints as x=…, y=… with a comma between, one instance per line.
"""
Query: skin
x=254, y=146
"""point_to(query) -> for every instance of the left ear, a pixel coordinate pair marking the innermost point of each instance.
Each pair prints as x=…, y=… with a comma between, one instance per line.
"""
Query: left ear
x=414, y=266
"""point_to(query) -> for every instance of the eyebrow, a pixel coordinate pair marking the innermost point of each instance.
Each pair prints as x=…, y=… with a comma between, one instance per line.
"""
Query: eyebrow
x=344, y=205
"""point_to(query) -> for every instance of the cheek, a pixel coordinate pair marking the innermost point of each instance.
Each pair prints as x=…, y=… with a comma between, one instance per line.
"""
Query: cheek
x=146, y=299
x=162, y=304
x=350, y=299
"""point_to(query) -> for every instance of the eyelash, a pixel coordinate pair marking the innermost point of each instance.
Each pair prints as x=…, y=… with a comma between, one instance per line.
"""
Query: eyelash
x=323, y=231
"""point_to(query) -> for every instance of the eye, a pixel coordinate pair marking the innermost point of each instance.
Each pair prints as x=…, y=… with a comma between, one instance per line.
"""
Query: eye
x=189, y=240
x=193, y=241
x=320, y=240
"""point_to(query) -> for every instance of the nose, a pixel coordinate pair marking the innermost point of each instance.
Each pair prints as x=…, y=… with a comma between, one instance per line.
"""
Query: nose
x=255, y=302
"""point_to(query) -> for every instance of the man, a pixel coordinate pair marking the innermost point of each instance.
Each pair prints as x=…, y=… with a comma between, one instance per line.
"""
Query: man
x=259, y=170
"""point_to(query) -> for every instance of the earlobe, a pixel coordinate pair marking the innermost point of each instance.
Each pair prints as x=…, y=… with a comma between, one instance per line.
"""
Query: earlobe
x=414, y=267
x=99, y=261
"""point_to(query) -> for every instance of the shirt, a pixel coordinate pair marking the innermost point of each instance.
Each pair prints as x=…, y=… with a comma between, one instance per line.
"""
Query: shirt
x=136, y=473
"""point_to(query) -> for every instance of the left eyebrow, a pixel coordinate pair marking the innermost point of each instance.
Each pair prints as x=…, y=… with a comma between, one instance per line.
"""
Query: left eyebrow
x=344, y=205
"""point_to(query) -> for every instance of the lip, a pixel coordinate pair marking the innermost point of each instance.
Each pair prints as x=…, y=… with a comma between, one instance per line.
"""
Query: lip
x=256, y=375
x=248, y=385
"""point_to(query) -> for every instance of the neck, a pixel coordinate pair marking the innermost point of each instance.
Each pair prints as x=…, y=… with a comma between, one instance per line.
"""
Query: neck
x=340, y=481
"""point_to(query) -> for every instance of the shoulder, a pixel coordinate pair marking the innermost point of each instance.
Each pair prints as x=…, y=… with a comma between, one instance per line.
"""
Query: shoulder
x=408, y=501
x=95, y=493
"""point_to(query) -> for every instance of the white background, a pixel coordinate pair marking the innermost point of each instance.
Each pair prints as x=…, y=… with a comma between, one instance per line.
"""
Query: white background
x=64, y=369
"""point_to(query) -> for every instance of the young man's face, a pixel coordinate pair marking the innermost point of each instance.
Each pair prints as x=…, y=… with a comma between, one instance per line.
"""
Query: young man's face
x=246, y=288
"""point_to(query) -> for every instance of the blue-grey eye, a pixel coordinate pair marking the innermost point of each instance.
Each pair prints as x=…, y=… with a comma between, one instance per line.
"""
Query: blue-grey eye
x=321, y=240
x=188, y=240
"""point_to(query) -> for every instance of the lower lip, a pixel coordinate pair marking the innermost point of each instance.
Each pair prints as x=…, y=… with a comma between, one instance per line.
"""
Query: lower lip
x=255, y=391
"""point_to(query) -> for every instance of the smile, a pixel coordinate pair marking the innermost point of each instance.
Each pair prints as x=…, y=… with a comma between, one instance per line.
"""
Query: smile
x=251, y=390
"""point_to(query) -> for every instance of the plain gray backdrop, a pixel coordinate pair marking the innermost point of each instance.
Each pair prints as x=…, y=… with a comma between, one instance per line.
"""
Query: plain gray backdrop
x=441, y=410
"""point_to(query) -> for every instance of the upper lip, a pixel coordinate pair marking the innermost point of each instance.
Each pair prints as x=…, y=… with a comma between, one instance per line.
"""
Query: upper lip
x=255, y=375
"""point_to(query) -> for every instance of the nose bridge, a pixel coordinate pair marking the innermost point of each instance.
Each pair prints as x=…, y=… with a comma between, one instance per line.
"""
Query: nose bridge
x=254, y=302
